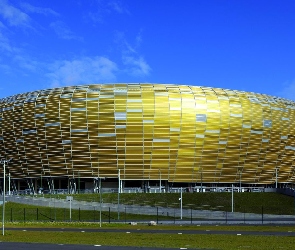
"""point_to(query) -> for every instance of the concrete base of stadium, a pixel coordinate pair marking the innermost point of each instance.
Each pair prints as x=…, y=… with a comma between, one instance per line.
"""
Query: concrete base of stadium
x=114, y=185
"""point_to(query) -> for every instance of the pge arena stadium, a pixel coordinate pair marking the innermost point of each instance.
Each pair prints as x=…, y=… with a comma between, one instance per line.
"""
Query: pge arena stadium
x=144, y=136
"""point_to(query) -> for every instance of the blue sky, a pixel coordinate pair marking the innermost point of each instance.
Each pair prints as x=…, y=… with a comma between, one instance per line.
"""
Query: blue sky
x=234, y=44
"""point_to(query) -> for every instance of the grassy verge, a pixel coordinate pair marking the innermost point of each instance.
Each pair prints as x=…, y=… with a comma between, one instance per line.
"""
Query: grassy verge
x=144, y=226
x=271, y=203
x=266, y=203
x=173, y=240
x=15, y=212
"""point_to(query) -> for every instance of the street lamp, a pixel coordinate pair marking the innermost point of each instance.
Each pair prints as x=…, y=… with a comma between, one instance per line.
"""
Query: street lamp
x=3, y=161
x=9, y=184
x=180, y=199
x=160, y=180
x=99, y=179
x=119, y=191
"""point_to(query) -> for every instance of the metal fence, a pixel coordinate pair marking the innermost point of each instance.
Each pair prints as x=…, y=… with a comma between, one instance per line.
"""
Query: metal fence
x=52, y=209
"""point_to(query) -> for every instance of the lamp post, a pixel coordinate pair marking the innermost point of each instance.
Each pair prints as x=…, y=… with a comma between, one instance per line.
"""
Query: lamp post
x=160, y=181
x=119, y=190
x=3, y=161
x=9, y=184
x=180, y=199
x=99, y=179
x=99, y=202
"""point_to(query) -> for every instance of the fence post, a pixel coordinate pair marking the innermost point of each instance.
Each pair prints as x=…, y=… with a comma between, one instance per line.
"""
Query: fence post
x=174, y=216
x=262, y=214
x=94, y=214
x=109, y=215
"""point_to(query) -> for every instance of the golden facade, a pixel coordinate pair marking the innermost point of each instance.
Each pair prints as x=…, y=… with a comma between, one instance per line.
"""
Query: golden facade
x=149, y=132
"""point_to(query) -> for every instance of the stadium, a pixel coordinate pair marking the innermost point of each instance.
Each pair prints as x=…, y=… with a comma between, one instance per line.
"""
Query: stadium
x=145, y=136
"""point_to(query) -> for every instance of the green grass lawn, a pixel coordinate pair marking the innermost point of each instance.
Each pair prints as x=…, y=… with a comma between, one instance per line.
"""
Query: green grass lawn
x=170, y=240
x=143, y=226
x=271, y=203
x=16, y=212
x=226, y=242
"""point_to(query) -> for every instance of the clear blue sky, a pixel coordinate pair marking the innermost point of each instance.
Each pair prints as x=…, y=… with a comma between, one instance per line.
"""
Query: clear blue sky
x=236, y=44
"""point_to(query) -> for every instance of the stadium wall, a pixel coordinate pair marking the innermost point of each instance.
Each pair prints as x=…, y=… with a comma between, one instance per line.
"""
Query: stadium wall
x=174, y=133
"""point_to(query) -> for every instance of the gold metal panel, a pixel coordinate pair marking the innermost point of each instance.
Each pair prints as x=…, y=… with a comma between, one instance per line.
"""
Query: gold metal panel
x=182, y=131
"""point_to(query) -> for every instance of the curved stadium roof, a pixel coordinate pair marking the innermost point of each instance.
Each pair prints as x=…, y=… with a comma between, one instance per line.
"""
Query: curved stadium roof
x=181, y=133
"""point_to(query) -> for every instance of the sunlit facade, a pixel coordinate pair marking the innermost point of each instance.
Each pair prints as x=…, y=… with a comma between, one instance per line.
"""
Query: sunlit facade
x=175, y=133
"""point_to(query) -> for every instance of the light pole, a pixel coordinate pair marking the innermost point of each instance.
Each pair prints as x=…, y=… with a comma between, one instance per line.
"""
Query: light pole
x=160, y=181
x=180, y=199
x=100, y=200
x=119, y=190
x=3, y=161
x=9, y=184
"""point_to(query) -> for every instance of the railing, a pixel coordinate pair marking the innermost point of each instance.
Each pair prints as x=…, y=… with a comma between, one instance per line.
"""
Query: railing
x=52, y=209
